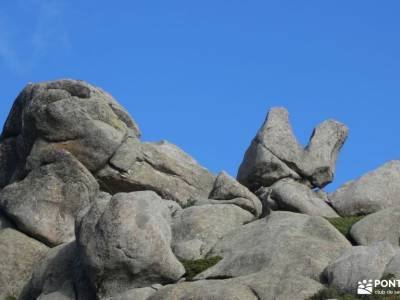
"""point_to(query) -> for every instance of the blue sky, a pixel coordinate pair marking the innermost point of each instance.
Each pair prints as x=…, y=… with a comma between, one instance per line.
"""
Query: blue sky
x=202, y=74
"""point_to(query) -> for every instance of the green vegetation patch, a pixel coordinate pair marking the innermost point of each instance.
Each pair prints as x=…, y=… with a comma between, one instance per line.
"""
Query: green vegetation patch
x=194, y=267
x=344, y=224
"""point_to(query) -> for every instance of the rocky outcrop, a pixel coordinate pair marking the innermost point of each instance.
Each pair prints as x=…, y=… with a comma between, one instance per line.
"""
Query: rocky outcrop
x=196, y=229
x=18, y=256
x=288, y=242
x=124, y=218
x=374, y=191
x=125, y=243
x=275, y=153
x=357, y=264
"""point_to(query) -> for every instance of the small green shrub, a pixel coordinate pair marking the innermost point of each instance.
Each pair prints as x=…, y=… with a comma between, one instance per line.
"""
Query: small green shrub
x=344, y=224
x=194, y=267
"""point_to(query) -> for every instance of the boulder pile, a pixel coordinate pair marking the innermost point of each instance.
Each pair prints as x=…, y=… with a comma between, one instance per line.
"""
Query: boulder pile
x=88, y=211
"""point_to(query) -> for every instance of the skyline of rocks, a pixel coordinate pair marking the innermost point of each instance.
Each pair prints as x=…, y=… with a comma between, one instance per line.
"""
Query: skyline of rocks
x=121, y=216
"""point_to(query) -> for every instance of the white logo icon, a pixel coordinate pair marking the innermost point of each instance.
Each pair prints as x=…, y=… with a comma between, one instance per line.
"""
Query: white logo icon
x=364, y=287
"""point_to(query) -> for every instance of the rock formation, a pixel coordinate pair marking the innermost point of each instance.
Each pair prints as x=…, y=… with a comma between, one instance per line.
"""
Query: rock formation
x=88, y=211
x=275, y=153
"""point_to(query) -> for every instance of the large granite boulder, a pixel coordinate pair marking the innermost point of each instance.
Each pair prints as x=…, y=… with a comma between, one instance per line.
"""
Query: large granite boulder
x=374, y=191
x=259, y=286
x=291, y=195
x=379, y=226
x=125, y=243
x=275, y=153
x=196, y=229
x=161, y=167
x=18, y=256
x=357, y=264
x=65, y=114
x=47, y=201
x=284, y=242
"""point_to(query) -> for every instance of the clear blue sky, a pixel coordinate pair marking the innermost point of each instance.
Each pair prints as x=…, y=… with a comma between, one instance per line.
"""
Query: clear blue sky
x=202, y=74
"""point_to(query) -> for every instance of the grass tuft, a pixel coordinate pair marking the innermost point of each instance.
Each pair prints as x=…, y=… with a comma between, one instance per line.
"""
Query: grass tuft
x=194, y=267
x=344, y=224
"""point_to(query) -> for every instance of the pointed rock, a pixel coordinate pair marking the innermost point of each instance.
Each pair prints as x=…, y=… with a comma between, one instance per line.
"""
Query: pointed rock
x=275, y=153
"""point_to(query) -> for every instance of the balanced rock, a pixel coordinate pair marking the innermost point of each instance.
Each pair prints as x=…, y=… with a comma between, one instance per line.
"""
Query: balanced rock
x=284, y=242
x=18, y=256
x=291, y=195
x=46, y=203
x=374, y=191
x=161, y=167
x=275, y=153
x=196, y=229
x=357, y=264
x=125, y=243
x=379, y=226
